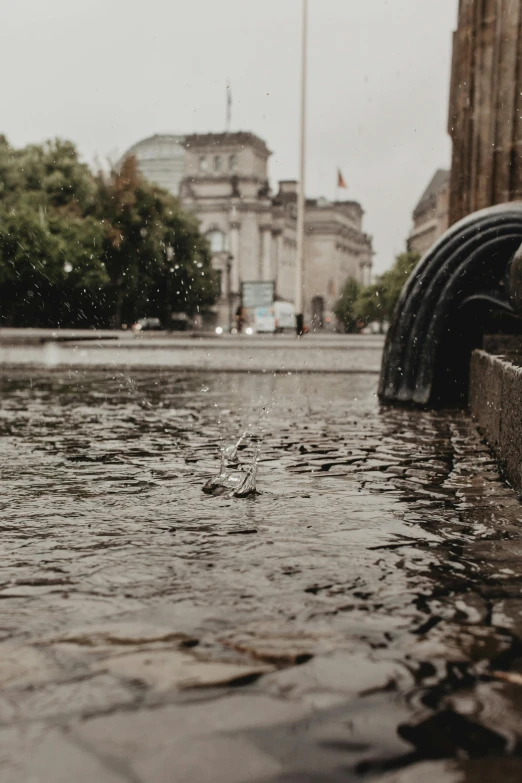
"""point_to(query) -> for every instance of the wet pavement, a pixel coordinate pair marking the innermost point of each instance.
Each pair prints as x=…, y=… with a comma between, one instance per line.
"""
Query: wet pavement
x=358, y=619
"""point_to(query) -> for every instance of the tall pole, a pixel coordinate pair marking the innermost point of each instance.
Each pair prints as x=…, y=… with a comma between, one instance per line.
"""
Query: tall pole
x=229, y=108
x=299, y=262
x=229, y=291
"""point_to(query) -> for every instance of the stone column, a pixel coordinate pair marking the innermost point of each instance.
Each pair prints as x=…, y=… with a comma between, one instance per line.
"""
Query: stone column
x=266, y=246
x=366, y=271
x=234, y=251
x=485, y=116
x=278, y=260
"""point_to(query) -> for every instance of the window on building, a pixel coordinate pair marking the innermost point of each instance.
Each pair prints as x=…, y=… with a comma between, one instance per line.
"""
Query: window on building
x=217, y=240
x=217, y=163
x=232, y=163
x=203, y=164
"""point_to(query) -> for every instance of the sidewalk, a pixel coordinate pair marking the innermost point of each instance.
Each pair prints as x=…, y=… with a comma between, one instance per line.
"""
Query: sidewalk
x=240, y=353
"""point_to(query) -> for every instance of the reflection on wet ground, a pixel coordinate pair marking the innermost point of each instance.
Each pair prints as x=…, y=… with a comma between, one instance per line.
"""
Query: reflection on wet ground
x=360, y=618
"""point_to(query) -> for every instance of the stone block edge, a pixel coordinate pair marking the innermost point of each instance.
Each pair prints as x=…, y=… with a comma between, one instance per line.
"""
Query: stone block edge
x=495, y=402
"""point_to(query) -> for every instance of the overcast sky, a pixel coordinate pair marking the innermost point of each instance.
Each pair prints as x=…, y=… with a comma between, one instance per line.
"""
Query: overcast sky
x=106, y=73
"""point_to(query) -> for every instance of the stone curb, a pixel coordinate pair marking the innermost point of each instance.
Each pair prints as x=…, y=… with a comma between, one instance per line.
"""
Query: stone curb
x=495, y=401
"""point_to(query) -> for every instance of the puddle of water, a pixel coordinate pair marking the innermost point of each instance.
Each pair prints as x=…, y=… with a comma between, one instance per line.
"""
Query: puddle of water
x=386, y=535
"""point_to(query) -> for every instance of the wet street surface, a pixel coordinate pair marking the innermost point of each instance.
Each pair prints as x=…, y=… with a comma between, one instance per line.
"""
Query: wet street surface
x=228, y=353
x=360, y=618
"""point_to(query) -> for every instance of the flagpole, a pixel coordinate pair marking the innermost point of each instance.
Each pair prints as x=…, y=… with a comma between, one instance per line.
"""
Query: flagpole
x=229, y=107
x=299, y=261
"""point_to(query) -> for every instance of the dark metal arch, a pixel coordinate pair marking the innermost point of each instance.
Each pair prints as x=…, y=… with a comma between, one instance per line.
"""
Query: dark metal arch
x=454, y=294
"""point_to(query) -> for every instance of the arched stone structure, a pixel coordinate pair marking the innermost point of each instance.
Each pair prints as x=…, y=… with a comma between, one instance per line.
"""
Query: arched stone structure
x=458, y=291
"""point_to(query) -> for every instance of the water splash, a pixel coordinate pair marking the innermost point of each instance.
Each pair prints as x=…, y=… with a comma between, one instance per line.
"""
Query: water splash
x=248, y=486
x=214, y=482
x=235, y=483
x=230, y=452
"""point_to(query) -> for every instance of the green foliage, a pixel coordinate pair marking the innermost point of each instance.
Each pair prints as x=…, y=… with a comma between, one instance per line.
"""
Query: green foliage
x=377, y=302
x=83, y=250
x=393, y=280
x=29, y=260
x=368, y=306
x=344, y=309
x=156, y=259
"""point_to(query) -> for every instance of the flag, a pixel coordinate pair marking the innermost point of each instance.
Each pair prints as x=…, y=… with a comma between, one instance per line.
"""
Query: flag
x=340, y=180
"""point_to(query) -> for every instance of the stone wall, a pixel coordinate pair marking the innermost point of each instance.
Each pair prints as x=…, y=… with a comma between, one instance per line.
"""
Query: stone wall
x=495, y=401
x=485, y=117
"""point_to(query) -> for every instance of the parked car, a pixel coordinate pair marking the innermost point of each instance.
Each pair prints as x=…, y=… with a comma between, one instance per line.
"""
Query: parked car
x=180, y=322
x=147, y=325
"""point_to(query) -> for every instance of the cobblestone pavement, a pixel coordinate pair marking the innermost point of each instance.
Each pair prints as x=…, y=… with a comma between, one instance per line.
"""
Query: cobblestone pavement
x=360, y=618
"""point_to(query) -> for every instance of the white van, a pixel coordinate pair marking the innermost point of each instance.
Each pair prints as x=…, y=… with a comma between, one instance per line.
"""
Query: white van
x=278, y=318
x=284, y=313
x=264, y=320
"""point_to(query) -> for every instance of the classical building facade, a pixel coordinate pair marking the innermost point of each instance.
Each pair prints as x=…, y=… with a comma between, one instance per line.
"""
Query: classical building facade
x=336, y=248
x=252, y=231
x=485, y=117
x=430, y=216
x=226, y=187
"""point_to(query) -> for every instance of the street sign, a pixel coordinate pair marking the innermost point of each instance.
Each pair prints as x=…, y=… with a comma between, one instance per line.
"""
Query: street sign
x=257, y=294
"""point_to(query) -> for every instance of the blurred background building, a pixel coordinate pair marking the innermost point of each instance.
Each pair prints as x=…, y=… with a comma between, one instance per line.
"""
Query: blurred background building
x=430, y=216
x=222, y=178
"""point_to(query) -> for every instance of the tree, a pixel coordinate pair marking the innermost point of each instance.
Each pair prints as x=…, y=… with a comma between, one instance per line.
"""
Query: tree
x=124, y=233
x=29, y=264
x=344, y=308
x=369, y=305
x=84, y=250
x=392, y=281
x=81, y=299
x=156, y=259
x=377, y=302
x=184, y=280
x=50, y=273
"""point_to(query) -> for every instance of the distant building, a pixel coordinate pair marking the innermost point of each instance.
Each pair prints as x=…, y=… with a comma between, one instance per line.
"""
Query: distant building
x=336, y=248
x=430, y=216
x=252, y=232
x=226, y=187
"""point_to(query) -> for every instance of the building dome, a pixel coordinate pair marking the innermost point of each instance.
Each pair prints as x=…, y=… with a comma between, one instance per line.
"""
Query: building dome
x=160, y=159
